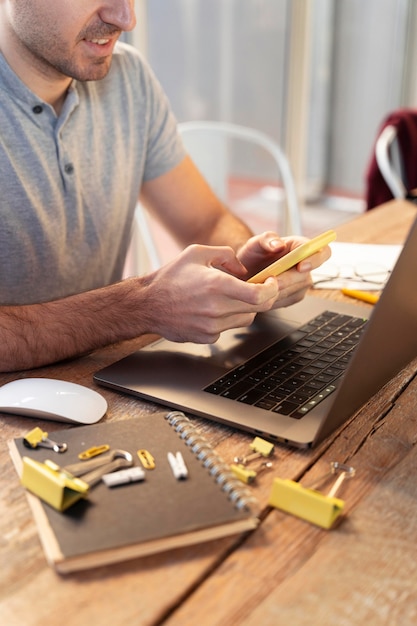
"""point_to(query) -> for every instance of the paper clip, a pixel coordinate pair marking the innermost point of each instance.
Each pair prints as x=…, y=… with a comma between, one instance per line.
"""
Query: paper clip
x=260, y=448
x=309, y=504
x=146, y=459
x=177, y=463
x=39, y=438
x=92, y=452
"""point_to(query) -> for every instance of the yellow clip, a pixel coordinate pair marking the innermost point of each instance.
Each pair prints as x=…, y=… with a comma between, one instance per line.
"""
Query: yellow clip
x=52, y=484
x=94, y=451
x=260, y=447
x=309, y=504
x=146, y=459
x=243, y=474
x=39, y=438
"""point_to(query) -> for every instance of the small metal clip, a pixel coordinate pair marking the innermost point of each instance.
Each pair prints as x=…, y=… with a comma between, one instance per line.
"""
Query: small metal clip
x=260, y=448
x=94, y=451
x=146, y=459
x=39, y=438
x=177, y=463
x=346, y=471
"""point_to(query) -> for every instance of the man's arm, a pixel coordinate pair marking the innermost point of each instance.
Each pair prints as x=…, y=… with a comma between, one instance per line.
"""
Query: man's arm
x=184, y=202
x=188, y=299
x=39, y=334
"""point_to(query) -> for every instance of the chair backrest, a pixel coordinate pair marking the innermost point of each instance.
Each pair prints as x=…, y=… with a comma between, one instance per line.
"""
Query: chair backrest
x=389, y=160
x=392, y=170
x=208, y=143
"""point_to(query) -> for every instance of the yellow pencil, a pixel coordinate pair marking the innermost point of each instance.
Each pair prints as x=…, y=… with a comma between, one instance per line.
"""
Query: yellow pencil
x=371, y=298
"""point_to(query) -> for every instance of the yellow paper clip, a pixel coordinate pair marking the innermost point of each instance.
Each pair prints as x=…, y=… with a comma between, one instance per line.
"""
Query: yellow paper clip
x=39, y=438
x=309, y=504
x=146, y=459
x=260, y=448
x=94, y=451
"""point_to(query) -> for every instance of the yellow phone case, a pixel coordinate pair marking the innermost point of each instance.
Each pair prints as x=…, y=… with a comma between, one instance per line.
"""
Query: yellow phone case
x=295, y=256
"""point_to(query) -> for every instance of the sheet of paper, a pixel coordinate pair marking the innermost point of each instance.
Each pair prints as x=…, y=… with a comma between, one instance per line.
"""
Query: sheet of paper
x=357, y=266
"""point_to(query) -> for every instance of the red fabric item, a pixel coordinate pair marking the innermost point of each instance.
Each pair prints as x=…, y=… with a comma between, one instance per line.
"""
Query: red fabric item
x=405, y=121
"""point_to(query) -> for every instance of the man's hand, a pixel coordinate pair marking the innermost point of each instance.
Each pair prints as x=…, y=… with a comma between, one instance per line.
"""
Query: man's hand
x=261, y=250
x=191, y=300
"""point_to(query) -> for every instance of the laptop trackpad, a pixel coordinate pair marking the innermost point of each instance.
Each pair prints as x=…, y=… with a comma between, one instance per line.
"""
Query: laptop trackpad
x=193, y=366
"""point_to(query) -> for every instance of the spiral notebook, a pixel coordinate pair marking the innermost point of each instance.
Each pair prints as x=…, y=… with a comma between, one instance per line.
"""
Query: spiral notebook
x=141, y=518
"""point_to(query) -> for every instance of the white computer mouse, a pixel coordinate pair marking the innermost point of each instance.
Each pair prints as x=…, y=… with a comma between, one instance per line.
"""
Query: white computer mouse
x=52, y=399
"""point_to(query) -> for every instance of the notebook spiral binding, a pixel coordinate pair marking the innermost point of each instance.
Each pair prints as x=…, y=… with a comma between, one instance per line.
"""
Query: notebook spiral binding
x=198, y=444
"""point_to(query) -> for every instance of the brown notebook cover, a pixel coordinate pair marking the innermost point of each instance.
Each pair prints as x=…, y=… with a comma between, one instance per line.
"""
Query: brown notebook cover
x=142, y=518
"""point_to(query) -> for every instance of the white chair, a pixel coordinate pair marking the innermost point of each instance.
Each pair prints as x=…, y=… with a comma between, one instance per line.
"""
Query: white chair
x=388, y=158
x=208, y=143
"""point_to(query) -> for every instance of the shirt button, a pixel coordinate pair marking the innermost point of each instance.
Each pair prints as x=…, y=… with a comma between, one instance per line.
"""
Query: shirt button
x=69, y=168
x=37, y=109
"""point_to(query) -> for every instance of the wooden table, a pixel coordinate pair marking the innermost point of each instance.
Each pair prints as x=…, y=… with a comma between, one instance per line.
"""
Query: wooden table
x=286, y=572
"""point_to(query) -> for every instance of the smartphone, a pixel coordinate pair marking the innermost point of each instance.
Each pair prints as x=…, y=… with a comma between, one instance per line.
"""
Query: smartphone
x=295, y=256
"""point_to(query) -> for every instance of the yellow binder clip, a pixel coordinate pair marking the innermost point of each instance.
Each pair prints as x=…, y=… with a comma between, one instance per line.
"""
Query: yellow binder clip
x=52, y=484
x=260, y=449
x=61, y=487
x=242, y=473
x=309, y=504
x=39, y=438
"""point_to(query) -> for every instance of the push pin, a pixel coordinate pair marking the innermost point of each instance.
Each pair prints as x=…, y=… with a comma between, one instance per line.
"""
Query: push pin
x=37, y=438
x=260, y=448
x=309, y=504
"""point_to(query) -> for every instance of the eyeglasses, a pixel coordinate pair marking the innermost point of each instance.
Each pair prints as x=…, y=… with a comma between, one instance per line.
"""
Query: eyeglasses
x=364, y=273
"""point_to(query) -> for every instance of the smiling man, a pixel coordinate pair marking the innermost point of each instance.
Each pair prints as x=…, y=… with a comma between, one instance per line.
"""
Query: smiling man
x=85, y=132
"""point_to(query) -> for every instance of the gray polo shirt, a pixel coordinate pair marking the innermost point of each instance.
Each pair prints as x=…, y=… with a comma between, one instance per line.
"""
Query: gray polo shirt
x=69, y=184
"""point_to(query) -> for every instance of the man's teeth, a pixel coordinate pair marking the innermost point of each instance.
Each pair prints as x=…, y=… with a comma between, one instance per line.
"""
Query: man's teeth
x=100, y=42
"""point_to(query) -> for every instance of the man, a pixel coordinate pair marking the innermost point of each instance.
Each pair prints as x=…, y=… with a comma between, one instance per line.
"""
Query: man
x=85, y=130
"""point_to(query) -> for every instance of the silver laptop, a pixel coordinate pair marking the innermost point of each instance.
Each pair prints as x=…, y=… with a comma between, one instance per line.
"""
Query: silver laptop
x=283, y=378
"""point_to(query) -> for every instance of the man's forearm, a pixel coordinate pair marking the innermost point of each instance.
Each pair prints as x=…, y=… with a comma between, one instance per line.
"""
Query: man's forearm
x=39, y=334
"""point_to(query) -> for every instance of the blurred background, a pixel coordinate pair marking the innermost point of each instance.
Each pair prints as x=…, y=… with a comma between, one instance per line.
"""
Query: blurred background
x=318, y=76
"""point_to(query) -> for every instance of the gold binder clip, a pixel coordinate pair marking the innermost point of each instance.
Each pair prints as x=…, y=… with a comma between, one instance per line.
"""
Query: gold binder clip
x=309, y=504
x=39, y=438
x=62, y=486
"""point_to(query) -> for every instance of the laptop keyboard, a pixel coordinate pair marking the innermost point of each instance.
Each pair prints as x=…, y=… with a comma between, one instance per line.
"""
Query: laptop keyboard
x=293, y=375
